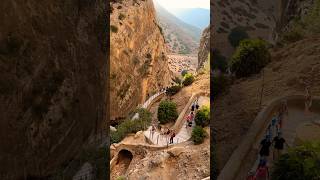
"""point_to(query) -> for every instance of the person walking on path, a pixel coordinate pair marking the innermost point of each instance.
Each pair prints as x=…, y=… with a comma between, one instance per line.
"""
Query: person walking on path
x=153, y=129
x=308, y=101
x=191, y=119
x=193, y=107
x=274, y=122
x=265, y=147
x=197, y=104
x=262, y=172
x=188, y=119
x=171, y=137
x=281, y=113
x=270, y=131
x=278, y=142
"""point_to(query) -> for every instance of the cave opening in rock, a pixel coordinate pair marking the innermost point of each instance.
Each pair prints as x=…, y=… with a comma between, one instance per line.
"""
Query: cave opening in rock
x=123, y=162
x=125, y=157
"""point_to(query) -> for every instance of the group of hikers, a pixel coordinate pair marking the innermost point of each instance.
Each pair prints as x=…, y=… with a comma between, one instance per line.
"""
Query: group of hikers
x=171, y=133
x=278, y=142
x=191, y=115
x=164, y=132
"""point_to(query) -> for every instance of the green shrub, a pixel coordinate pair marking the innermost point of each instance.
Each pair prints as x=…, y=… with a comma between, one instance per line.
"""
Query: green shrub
x=188, y=79
x=184, y=72
x=114, y=28
x=219, y=62
x=236, y=35
x=250, y=57
x=167, y=111
x=177, y=80
x=121, y=178
x=202, y=117
x=219, y=84
x=173, y=90
x=198, y=135
x=121, y=16
x=131, y=126
x=300, y=163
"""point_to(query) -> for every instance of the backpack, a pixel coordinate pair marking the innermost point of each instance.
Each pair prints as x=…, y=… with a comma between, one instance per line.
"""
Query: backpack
x=262, y=172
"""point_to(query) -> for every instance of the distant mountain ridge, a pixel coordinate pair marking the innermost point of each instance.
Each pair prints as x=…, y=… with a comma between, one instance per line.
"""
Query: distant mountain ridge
x=198, y=17
x=181, y=38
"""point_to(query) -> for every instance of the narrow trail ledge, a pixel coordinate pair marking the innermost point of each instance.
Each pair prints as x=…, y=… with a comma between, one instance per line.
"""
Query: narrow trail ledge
x=244, y=157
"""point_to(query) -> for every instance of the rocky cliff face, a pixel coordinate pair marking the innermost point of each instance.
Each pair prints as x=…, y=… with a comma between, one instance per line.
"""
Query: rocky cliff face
x=52, y=84
x=291, y=9
x=138, y=58
x=247, y=14
x=260, y=18
x=204, y=47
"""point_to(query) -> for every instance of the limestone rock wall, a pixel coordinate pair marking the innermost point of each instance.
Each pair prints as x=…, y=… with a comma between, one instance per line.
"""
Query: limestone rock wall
x=204, y=47
x=138, y=60
x=52, y=83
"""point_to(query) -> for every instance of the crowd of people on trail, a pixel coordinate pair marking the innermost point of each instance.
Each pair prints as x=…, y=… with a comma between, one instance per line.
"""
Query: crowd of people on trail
x=277, y=141
x=191, y=115
x=169, y=133
x=166, y=132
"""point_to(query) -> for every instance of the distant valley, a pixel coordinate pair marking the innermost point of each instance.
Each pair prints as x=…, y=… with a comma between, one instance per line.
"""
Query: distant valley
x=181, y=37
x=197, y=17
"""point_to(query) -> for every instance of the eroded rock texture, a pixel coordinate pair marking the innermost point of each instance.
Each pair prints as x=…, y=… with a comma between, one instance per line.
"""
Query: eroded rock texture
x=52, y=83
x=139, y=64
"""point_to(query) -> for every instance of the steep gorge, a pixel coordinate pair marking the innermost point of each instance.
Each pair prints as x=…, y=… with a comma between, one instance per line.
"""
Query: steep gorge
x=138, y=57
x=52, y=85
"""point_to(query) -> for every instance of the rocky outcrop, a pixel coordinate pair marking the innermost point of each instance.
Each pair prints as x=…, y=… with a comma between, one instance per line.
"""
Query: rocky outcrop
x=291, y=9
x=138, y=58
x=204, y=47
x=52, y=84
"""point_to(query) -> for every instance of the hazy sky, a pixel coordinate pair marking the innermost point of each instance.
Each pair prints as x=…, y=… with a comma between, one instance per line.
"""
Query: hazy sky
x=174, y=4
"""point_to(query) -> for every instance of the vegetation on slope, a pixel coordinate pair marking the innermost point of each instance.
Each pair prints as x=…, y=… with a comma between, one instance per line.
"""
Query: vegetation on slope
x=131, y=126
x=167, y=111
x=198, y=135
x=250, y=57
x=188, y=79
x=300, y=163
x=202, y=117
x=304, y=26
